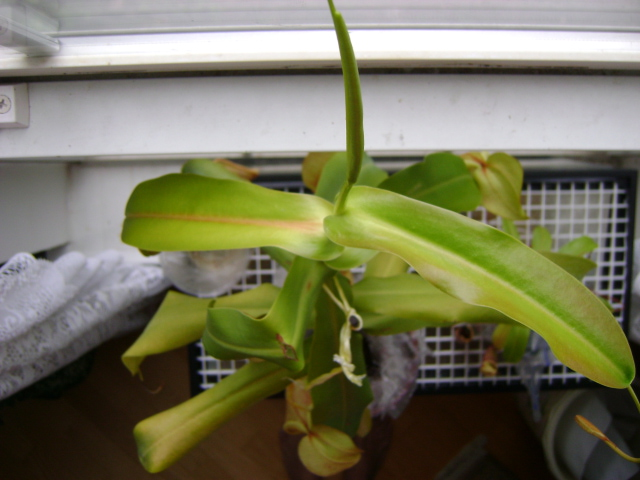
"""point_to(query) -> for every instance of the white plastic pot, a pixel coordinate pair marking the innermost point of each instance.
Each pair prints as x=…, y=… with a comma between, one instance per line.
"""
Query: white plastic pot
x=571, y=453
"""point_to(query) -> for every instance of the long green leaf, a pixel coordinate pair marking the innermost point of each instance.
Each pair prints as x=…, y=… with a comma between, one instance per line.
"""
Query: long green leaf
x=181, y=319
x=165, y=437
x=441, y=179
x=509, y=227
x=579, y=246
x=312, y=167
x=385, y=265
x=280, y=256
x=192, y=212
x=512, y=340
x=351, y=258
x=277, y=337
x=408, y=302
x=576, y=266
x=255, y=302
x=484, y=266
x=542, y=241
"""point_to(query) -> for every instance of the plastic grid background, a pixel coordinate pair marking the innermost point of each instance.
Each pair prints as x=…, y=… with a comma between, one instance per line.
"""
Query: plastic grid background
x=569, y=207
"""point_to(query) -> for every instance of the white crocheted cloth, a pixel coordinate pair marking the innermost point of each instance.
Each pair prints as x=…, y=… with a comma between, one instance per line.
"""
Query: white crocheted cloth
x=51, y=313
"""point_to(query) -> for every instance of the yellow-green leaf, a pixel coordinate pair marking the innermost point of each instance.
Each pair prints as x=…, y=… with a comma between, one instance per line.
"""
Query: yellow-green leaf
x=279, y=335
x=165, y=437
x=181, y=319
x=407, y=302
x=541, y=240
x=351, y=258
x=509, y=227
x=576, y=266
x=187, y=212
x=336, y=169
x=440, y=179
x=312, y=167
x=579, y=246
x=484, y=266
x=327, y=451
x=499, y=177
x=385, y=265
x=512, y=340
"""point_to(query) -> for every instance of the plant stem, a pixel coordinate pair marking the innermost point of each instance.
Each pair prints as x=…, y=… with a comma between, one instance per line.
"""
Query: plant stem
x=353, y=104
x=590, y=428
x=634, y=396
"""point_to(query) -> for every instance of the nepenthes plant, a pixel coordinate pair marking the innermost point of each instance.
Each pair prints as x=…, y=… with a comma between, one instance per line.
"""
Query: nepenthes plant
x=426, y=265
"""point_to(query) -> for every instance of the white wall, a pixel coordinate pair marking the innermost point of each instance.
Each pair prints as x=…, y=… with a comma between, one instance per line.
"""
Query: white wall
x=97, y=196
x=291, y=115
x=103, y=123
x=33, y=208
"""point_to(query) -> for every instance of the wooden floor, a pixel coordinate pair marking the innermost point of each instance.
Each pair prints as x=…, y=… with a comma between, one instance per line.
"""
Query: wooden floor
x=86, y=434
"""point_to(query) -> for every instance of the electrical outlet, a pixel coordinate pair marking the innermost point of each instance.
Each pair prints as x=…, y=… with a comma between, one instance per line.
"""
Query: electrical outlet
x=14, y=106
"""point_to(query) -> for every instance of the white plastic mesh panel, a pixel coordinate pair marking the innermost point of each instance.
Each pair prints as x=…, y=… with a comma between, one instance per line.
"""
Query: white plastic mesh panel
x=586, y=205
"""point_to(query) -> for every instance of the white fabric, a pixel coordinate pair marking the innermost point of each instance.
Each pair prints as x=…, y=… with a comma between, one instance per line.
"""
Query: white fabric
x=51, y=313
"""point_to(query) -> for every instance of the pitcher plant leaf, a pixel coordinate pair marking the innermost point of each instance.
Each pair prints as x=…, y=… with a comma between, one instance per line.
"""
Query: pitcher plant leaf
x=484, y=266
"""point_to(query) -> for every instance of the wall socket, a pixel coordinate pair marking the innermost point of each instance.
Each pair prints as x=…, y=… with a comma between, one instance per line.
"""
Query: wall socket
x=14, y=106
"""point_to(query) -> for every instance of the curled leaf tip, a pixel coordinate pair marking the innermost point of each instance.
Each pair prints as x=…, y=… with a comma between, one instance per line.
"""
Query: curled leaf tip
x=348, y=369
